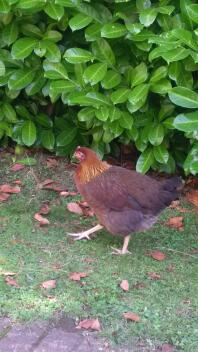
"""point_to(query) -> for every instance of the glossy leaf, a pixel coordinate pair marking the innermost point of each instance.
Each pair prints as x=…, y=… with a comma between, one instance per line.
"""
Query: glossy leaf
x=2, y=68
x=54, y=70
x=4, y=6
x=54, y=11
x=23, y=47
x=21, y=79
x=184, y=97
x=29, y=133
x=193, y=12
x=158, y=74
x=120, y=95
x=10, y=33
x=79, y=21
x=111, y=79
x=77, y=55
x=102, y=114
x=186, y=122
x=61, y=86
x=148, y=16
x=95, y=73
x=156, y=134
x=161, y=154
x=113, y=30
x=48, y=139
x=66, y=137
x=145, y=161
x=139, y=75
x=103, y=51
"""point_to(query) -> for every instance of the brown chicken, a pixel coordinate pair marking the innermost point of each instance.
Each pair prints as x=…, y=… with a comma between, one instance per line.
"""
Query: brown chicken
x=124, y=201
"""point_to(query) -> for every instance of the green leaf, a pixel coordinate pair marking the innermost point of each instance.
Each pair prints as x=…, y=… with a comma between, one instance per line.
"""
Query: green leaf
x=95, y=73
x=67, y=3
x=102, y=114
x=158, y=74
x=10, y=33
x=79, y=21
x=114, y=113
x=27, y=161
x=31, y=30
x=9, y=112
x=111, y=79
x=186, y=37
x=77, y=55
x=54, y=11
x=126, y=121
x=139, y=94
x=98, y=99
x=47, y=139
x=161, y=87
x=120, y=95
x=113, y=30
x=54, y=70
x=148, y=16
x=139, y=74
x=53, y=53
x=23, y=47
x=66, y=137
x=86, y=114
x=184, y=97
x=4, y=6
x=53, y=36
x=156, y=134
x=175, y=70
x=145, y=161
x=193, y=12
x=36, y=85
x=29, y=133
x=2, y=68
x=31, y=4
x=161, y=154
x=77, y=98
x=93, y=32
x=103, y=51
x=44, y=120
x=21, y=79
x=61, y=86
x=175, y=54
x=186, y=122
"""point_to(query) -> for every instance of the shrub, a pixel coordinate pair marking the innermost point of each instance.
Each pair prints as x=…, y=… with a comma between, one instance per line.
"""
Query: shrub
x=106, y=71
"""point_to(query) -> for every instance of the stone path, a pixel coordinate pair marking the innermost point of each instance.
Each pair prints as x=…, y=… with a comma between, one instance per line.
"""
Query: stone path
x=59, y=335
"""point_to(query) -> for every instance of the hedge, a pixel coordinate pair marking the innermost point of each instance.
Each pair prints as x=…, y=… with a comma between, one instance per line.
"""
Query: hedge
x=99, y=73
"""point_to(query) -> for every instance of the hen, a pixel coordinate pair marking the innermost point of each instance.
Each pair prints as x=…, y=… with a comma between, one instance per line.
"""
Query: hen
x=124, y=201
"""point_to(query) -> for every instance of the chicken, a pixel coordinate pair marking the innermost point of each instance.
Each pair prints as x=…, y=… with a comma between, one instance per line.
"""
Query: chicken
x=124, y=201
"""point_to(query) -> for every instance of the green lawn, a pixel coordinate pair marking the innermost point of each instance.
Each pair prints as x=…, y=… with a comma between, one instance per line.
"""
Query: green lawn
x=167, y=307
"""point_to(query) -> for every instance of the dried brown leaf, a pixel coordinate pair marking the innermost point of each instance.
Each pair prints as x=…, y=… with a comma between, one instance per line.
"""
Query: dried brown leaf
x=17, y=182
x=157, y=255
x=124, y=285
x=131, y=316
x=192, y=197
x=167, y=347
x=11, y=282
x=154, y=276
x=176, y=222
x=45, y=209
x=9, y=189
x=41, y=219
x=52, y=162
x=4, y=197
x=92, y=324
x=17, y=167
x=7, y=273
x=74, y=208
x=49, y=284
x=77, y=276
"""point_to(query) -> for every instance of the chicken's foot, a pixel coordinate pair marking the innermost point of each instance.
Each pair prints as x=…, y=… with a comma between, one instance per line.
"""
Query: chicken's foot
x=124, y=249
x=85, y=234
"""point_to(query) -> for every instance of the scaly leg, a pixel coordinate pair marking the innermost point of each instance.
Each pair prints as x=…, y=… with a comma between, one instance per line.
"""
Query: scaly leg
x=85, y=234
x=124, y=249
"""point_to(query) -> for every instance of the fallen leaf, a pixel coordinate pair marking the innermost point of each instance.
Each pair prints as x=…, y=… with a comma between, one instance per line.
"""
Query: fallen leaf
x=17, y=167
x=167, y=347
x=92, y=324
x=52, y=162
x=139, y=286
x=124, y=285
x=55, y=186
x=41, y=219
x=45, y=209
x=77, y=276
x=176, y=222
x=131, y=316
x=49, y=284
x=9, y=189
x=46, y=182
x=192, y=197
x=4, y=197
x=7, y=273
x=154, y=276
x=64, y=194
x=157, y=255
x=11, y=282
x=74, y=208
x=17, y=182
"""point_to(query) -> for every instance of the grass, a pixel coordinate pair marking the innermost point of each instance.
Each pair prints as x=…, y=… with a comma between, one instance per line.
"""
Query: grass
x=167, y=307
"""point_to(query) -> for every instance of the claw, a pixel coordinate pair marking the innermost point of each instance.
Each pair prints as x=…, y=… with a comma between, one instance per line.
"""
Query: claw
x=79, y=236
x=117, y=251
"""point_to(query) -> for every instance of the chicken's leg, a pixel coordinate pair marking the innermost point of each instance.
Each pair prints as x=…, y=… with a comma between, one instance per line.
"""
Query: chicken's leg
x=85, y=234
x=124, y=249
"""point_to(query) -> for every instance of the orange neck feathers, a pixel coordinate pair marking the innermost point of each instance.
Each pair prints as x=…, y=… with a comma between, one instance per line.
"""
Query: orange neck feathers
x=88, y=170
